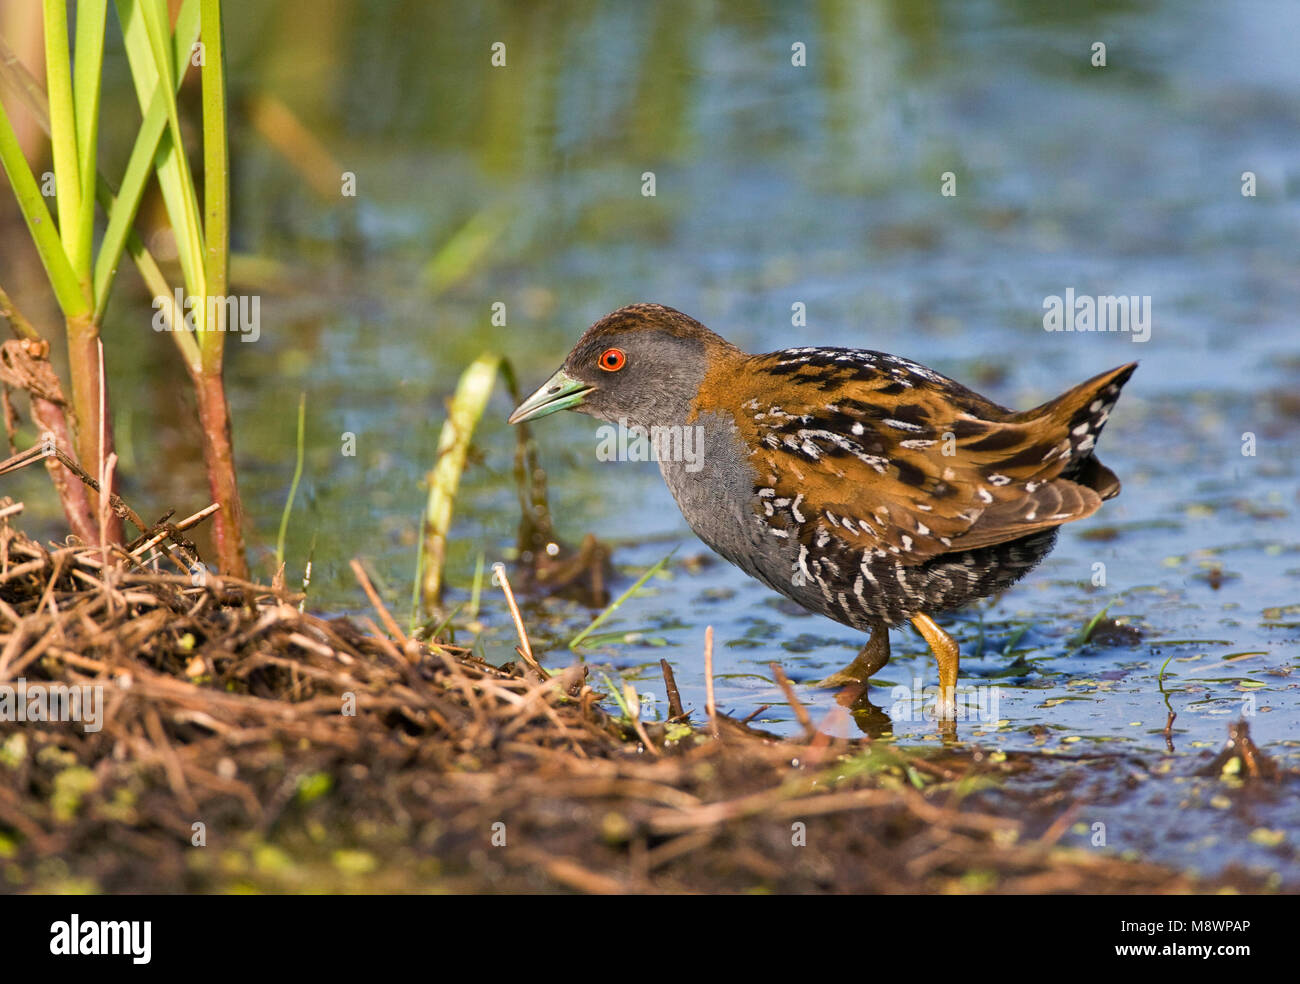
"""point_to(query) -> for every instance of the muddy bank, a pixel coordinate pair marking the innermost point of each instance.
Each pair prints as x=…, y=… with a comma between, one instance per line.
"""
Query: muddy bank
x=244, y=745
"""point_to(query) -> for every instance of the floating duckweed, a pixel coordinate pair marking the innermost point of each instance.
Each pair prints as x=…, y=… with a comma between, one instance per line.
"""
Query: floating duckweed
x=1267, y=837
x=70, y=786
x=351, y=862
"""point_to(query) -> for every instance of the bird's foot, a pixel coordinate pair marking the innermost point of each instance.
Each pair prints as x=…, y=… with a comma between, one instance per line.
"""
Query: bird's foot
x=874, y=655
x=945, y=707
x=948, y=656
x=846, y=677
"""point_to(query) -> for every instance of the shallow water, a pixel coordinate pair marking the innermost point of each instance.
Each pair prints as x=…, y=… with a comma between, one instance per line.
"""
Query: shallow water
x=776, y=186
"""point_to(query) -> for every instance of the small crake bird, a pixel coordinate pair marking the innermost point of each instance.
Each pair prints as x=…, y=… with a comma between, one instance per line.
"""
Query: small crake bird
x=860, y=485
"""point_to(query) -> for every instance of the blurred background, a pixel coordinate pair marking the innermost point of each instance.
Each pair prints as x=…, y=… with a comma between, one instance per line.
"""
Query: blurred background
x=776, y=185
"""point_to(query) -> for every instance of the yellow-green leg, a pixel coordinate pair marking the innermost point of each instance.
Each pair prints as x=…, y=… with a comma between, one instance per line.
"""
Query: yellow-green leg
x=945, y=651
x=874, y=655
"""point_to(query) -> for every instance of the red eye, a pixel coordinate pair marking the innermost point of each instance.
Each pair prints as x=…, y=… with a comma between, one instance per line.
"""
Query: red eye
x=612, y=360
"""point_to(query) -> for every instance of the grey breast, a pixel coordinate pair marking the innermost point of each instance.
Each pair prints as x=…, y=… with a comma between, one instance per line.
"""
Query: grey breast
x=717, y=495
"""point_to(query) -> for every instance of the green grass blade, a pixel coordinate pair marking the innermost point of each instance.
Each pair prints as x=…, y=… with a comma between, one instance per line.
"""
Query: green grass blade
x=67, y=289
x=416, y=583
x=17, y=80
x=432, y=630
x=153, y=278
x=476, y=589
x=293, y=487
x=63, y=123
x=139, y=168
x=216, y=177
x=188, y=227
x=87, y=67
x=150, y=58
x=617, y=694
x=1014, y=639
x=1160, y=681
x=1085, y=633
x=126, y=205
x=617, y=602
x=457, y=258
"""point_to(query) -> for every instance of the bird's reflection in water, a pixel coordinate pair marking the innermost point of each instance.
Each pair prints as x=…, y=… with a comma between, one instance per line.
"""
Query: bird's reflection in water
x=874, y=721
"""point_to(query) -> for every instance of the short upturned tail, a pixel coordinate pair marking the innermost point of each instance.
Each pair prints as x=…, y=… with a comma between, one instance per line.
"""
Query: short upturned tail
x=1081, y=413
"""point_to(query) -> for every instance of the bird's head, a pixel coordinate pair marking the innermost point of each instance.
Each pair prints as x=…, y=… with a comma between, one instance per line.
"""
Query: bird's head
x=642, y=364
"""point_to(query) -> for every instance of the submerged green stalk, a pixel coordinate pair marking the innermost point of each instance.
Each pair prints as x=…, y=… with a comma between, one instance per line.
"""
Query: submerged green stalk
x=617, y=602
x=293, y=486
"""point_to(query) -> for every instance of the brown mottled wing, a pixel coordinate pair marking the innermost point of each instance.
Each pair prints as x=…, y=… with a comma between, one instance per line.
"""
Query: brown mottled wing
x=889, y=455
